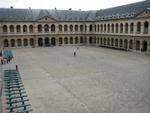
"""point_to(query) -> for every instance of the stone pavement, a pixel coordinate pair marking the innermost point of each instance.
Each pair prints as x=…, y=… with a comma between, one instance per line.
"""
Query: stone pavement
x=96, y=80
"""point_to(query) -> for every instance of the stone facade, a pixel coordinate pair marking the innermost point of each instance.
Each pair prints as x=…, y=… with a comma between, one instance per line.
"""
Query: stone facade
x=130, y=34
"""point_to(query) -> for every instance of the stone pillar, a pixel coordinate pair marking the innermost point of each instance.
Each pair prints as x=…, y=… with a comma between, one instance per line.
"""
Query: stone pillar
x=149, y=28
x=129, y=30
x=21, y=29
x=56, y=28
x=148, y=47
x=87, y=40
x=35, y=41
x=142, y=27
x=141, y=45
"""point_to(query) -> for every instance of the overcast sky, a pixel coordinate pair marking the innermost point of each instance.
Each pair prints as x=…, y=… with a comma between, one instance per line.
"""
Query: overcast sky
x=65, y=4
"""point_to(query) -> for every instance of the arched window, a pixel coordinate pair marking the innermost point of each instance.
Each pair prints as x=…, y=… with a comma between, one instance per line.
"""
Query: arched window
x=19, y=43
x=98, y=27
x=81, y=39
x=25, y=42
x=11, y=28
x=101, y=27
x=146, y=25
x=104, y=28
x=95, y=28
x=31, y=42
x=126, y=27
x=39, y=28
x=112, y=42
x=108, y=28
x=66, y=40
x=60, y=28
x=18, y=27
x=137, y=45
x=126, y=43
x=112, y=28
x=31, y=28
x=116, y=42
x=53, y=28
x=121, y=28
x=60, y=40
x=138, y=27
x=6, y=43
x=130, y=44
x=5, y=29
x=76, y=28
x=46, y=28
x=71, y=28
x=117, y=28
x=131, y=27
x=71, y=40
x=65, y=28
x=81, y=28
x=91, y=28
x=76, y=40
x=12, y=42
x=24, y=28
x=121, y=43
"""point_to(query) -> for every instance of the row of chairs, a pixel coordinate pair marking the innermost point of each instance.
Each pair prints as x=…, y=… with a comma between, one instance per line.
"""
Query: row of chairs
x=16, y=97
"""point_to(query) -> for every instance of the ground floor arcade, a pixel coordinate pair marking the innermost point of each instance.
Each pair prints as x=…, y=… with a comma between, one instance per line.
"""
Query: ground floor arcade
x=141, y=44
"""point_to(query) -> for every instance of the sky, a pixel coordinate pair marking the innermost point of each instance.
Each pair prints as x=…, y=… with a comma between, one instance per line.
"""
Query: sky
x=65, y=4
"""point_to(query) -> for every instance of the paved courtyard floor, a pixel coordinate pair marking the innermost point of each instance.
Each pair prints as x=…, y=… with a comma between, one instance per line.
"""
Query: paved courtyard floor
x=97, y=80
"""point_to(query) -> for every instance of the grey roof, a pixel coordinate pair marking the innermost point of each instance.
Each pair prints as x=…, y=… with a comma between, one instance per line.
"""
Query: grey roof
x=125, y=11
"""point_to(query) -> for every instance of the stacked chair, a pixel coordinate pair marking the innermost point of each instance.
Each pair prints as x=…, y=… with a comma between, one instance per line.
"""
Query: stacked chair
x=16, y=97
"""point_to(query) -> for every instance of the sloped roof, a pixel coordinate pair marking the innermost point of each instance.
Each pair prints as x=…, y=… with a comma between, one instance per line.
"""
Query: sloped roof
x=125, y=11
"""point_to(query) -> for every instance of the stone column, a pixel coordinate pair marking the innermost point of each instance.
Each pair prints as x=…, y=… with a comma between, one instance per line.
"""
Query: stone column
x=35, y=41
x=148, y=47
x=149, y=28
x=142, y=27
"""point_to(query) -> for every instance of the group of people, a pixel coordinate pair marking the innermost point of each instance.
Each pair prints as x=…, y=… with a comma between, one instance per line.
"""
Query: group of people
x=5, y=61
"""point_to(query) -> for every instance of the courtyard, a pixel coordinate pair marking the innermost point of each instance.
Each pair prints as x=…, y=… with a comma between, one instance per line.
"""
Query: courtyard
x=96, y=80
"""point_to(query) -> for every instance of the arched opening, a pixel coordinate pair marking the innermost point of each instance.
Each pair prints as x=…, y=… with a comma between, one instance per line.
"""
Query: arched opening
x=11, y=29
x=101, y=40
x=131, y=27
x=91, y=28
x=104, y=41
x=31, y=28
x=81, y=39
x=60, y=41
x=76, y=40
x=144, y=46
x=130, y=44
x=76, y=28
x=65, y=28
x=19, y=42
x=24, y=28
x=108, y=41
x=71, y=28
x=71, y=40
x=47, y=41
x=5, y=29
x=46, y=28
x=31, y=42
x=12, y=42
x=137, y=45
x=53, y=28
x=6, y=43
x=116, y=42
x=90, y=40
x=121, y=28
x=138, y=27
x=66, y=40
x=60, y=28
x=112, y=28
x=101, y=28
x=25, y=42
x=126, y=27
x=18, y=27
x=39, y=28
x=126, y=43
x=53, y=41
x=121, y=43
x=108, y=28
x=146, y=25
x=81, y=28
x=117, y=28
x=104, y=28
x=40, y=42
x=112, y=42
